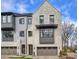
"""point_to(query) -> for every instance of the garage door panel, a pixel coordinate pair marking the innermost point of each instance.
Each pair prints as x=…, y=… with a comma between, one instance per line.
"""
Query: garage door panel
x=47, y=51
x=8, y=50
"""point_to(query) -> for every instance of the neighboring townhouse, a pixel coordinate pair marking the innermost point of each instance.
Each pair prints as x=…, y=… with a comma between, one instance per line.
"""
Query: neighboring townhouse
x=34, y=34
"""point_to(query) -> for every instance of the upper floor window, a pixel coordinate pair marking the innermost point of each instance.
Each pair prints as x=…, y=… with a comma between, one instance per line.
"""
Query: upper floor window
x=22, y=33
x=51, y=18
x=9, y=19
x=29, y=20
x=21, y=20
x=29, y=33
x=4, y=19
x=41, y=19
x=46, y=33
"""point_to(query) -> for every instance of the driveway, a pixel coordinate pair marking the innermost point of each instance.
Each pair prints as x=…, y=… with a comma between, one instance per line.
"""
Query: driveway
x=4, y=57
x=46, y=57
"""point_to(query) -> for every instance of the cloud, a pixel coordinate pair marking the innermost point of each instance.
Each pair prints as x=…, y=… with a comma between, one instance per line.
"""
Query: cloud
x=7, y=5
x=13, y=6
x=22, y=8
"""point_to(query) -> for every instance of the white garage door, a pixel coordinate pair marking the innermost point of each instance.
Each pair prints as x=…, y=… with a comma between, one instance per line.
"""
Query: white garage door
x=8, y=50
x=47, y=51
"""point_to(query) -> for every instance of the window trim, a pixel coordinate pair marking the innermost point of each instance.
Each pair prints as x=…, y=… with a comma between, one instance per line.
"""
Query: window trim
x=9, y=35
x=29, y=22
x=3, y=19
x=21, y=34
x=41, y=22
x=30, y=35
x=48, y=30
x=8, y=18
x=21, y=21
x=51, y=19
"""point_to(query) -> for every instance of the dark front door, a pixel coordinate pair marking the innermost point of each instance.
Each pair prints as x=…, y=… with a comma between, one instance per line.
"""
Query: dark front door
x=23, y=49
x=30, y=49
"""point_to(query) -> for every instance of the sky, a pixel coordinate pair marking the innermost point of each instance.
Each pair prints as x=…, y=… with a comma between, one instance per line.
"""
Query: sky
x=68, y=8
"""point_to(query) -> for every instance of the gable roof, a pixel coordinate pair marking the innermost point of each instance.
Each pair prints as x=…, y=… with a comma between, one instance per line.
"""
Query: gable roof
x=49, y=4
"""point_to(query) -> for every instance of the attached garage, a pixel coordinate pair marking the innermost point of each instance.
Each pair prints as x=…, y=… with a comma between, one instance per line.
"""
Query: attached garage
x=8, y=50
x=47, y=51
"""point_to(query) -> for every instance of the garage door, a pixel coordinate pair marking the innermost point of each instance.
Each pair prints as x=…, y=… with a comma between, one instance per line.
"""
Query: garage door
x=47, y=51
x=8, y=50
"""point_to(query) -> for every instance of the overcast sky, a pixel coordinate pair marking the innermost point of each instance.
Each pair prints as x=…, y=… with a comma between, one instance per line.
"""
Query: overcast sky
x=68, y=8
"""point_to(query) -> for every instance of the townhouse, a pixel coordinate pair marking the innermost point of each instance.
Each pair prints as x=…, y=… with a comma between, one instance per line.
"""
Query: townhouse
x=34, y=34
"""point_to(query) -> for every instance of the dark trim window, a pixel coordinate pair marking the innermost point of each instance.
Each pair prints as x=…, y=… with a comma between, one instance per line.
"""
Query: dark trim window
x=29, y=33
x=41, y=18
x=21, y=21
x=7, y=35
x=29, y=20
x=4, y=19
x=51, y=19
x=9, y=19
x=22, y=33
x=46, y=33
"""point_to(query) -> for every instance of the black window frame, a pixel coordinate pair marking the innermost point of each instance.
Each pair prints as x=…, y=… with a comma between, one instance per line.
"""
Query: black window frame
x=5, y=19
x=47, y=35
x=7, y=36
x=21, y=33
x=21, y=21
x=51, y=19
x=41, y=20
x=29, y=19
x=29, y=33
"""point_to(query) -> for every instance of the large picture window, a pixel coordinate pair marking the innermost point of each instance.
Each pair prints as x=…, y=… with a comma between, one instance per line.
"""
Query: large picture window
x=46, y=33
x=7, y=35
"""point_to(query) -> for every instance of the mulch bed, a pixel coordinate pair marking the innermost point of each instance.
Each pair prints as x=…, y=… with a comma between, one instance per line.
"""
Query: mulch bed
x=67, y=58
x=70, y=58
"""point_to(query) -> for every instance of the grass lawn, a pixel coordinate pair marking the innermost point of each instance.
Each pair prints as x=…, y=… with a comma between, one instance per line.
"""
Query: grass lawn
x=20, y=58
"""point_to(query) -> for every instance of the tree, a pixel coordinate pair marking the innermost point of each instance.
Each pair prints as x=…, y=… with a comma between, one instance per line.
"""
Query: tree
x=67, y=32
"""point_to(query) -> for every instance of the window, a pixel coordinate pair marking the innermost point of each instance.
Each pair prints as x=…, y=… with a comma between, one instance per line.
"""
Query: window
x=29, y=20
x=51, y=18
x=22, y=33
x=41, y=19
x=4, y=19
x=29, y=33
x=21, y=20
x=46, y=33
x=7, y=35
x=9, y=19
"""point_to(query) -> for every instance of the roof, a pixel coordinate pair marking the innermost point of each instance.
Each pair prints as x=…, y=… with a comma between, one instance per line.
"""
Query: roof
x=17, y=14
x=49, y=4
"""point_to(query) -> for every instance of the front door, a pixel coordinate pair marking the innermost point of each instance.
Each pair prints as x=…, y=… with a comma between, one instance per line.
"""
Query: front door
x=23, y=49
x=30, y=49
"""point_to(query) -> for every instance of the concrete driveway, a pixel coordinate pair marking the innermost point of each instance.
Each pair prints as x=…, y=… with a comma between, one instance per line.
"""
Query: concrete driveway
x=46, y=57
x=4, y=57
